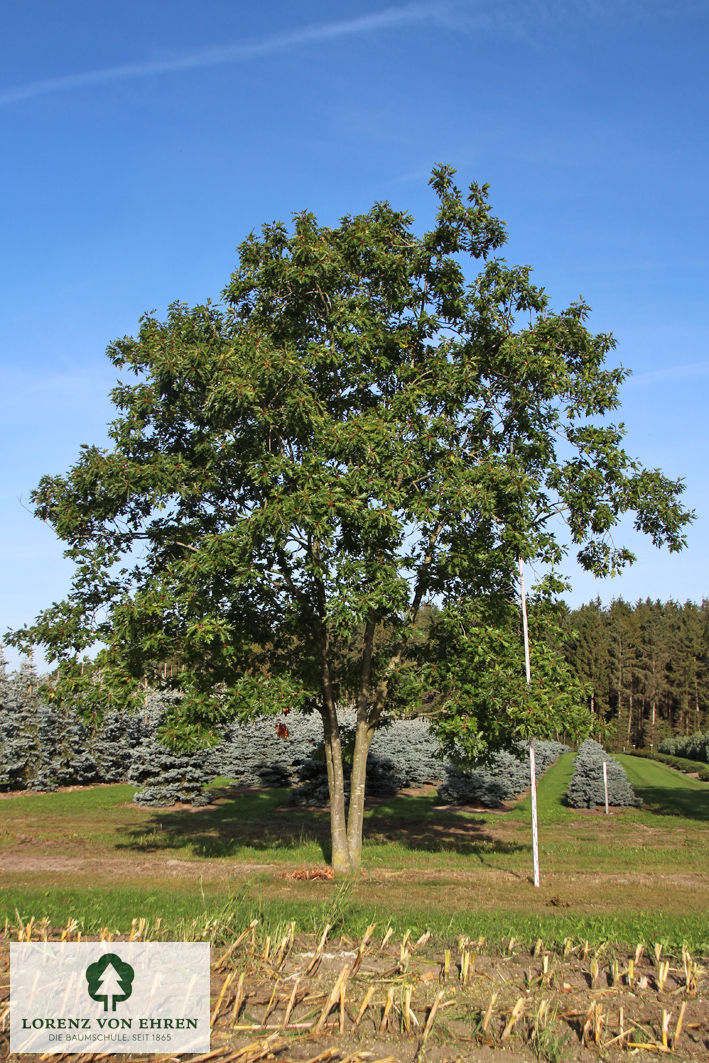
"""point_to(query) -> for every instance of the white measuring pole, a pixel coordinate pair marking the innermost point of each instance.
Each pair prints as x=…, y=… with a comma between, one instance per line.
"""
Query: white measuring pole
x=532, y=757
x=605, y=783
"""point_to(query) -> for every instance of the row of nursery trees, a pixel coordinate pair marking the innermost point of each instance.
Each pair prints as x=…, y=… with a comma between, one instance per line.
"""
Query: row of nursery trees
x=638, y=673
x=44, y=745
x=645, y=668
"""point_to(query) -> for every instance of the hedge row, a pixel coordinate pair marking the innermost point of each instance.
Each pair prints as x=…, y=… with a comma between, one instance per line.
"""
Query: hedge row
x=586, y=789
x=693, y=747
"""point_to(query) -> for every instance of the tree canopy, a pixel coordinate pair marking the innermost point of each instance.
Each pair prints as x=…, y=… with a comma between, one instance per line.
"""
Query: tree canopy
x=368, y=421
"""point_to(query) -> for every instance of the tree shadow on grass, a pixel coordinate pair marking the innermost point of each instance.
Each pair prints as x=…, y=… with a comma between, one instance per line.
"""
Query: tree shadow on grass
x=678, y=801
x=464, y=838
x=419, y=824
x=261, y=821
x=235, y=821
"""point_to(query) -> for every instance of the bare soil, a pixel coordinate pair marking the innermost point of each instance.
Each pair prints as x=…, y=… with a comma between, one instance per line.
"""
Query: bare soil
x=304, y=999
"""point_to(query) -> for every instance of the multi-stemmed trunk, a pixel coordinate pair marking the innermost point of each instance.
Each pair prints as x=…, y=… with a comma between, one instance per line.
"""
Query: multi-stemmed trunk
x=346, y=818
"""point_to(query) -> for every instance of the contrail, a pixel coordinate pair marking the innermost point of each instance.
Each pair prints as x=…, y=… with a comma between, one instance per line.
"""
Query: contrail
x=693, y=371
x=389, y=18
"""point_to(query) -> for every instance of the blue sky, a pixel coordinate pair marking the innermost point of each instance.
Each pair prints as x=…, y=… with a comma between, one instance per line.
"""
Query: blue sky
x=143, y=141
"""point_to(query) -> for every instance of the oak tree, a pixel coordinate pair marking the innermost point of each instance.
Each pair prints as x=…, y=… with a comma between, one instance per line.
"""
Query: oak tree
x=370, y=420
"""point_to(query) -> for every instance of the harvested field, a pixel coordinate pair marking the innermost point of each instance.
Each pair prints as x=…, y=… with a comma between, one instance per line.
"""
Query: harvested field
x=329, y=997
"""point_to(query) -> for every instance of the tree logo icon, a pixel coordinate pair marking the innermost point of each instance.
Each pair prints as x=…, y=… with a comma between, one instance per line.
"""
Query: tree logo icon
x=110, y=980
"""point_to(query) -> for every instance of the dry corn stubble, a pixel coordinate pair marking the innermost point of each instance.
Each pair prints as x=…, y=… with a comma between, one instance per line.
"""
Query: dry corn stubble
x=315, y=998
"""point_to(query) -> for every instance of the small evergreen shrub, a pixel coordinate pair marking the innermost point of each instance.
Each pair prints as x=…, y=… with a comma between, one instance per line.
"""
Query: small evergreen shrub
x=586, y=788
x=312, y=789
x=268, y=751
x=118, y=741
x=407, y=753
x=28, y=734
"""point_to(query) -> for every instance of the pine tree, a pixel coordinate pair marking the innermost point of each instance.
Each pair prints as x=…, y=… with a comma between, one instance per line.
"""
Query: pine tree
x=588, y=653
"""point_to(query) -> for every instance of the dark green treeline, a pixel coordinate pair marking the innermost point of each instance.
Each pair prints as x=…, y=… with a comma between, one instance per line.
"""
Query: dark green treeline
x=646, y=667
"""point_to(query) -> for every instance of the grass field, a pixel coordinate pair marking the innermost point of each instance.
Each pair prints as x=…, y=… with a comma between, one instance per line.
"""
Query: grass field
x=636, y=875
x=442, y=949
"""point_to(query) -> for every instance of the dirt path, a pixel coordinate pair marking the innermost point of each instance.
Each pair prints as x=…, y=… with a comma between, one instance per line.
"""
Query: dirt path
x=449, y=889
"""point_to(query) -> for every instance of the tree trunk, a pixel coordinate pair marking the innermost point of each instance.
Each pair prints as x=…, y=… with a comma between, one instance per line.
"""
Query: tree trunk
x=363, y=738
x=346, y=829
x=333, y=760
x=336, y=787
x=355, y=814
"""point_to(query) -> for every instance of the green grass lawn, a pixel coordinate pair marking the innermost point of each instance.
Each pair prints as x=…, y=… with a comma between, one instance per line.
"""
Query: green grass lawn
x=665, y=791
x=638, y=874
x=552, y=788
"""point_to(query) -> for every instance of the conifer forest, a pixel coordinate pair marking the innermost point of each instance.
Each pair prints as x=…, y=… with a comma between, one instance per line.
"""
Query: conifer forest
x=645, y=667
